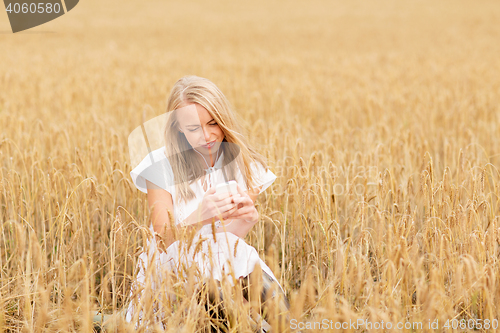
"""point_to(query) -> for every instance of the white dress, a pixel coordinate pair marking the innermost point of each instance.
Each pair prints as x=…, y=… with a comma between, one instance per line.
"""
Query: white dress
x=228, y=251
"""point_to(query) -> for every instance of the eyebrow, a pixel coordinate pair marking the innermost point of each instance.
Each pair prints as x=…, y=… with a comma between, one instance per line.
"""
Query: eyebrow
x=196, y=125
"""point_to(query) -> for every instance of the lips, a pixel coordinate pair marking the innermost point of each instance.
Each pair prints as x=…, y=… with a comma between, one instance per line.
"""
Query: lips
x=210, y=144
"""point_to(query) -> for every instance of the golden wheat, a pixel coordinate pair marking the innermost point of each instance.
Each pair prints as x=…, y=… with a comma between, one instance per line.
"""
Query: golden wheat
x=379, y=118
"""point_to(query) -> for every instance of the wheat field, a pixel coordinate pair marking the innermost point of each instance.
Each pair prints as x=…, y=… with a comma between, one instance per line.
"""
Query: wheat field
x=380, y=119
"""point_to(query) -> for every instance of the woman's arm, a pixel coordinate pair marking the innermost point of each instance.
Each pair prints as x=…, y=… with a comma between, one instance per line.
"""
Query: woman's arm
x=161, y=208
x=162, y=214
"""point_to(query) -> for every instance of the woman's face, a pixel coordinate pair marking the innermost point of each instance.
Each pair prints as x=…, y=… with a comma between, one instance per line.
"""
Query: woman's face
x=200, y=129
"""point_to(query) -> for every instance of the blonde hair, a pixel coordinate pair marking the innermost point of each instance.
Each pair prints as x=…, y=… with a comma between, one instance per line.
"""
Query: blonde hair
x=185, y=163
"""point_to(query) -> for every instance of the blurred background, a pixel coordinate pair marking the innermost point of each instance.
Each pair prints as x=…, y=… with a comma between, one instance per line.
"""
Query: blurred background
x=399, y=97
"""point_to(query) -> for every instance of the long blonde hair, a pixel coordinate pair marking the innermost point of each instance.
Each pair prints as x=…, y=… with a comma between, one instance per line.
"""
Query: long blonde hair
x=185, y=163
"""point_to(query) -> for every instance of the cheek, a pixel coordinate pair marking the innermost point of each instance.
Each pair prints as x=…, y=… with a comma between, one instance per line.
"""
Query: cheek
x=220, y=134
x=190, y=138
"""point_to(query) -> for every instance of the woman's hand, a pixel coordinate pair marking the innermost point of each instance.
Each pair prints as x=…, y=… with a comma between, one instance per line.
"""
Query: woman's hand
x=245, y=208
x=217, y=206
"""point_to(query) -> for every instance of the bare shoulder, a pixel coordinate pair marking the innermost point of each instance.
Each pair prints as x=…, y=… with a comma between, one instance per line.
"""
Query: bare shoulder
x=157, y=195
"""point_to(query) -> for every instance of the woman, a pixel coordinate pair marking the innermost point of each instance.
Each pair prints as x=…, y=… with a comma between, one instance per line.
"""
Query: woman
x=203, y=148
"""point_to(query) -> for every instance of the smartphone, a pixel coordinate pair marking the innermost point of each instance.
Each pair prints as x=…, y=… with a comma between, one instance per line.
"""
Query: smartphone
x=229, y=187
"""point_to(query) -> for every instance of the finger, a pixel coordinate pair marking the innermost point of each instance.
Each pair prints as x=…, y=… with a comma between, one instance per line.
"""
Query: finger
x=217, y=198
x=240, y=195
x=237, y=211
x=242, y=212
x=240, y=190
x=221, y=202
x=245, y=210
x=229, y=213
x=240, y=217
x=229, y=207
x=225, y=201
x=232, y=210
x=225, y=208
x=221, y=197
x=244, y=200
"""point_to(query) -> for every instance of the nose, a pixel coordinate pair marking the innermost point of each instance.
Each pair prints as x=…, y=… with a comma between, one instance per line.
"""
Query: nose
x=206, y=134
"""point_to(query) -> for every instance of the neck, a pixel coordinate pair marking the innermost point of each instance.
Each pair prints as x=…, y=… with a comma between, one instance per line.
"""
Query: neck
x=209, y=159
